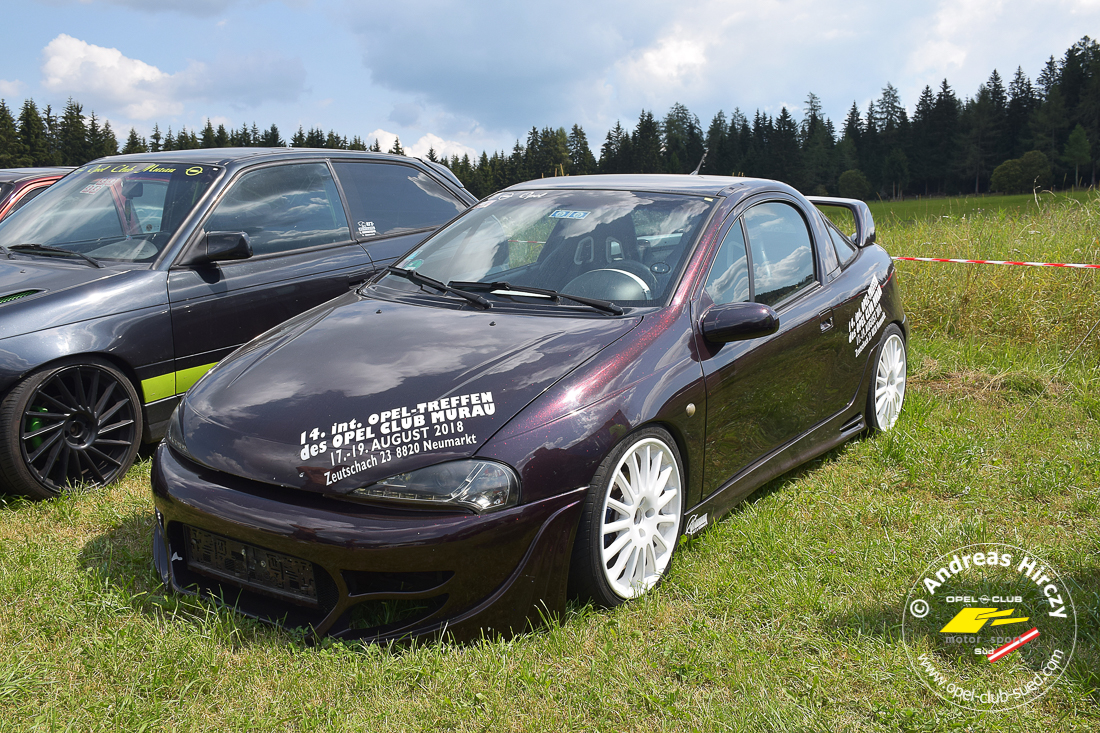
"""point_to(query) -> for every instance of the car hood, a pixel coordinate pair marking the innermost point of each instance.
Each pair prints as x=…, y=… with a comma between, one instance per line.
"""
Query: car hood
x=64, y=291
x=361, y=389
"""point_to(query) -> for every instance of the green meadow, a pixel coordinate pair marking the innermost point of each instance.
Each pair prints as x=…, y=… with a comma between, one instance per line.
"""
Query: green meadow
x=783, y=616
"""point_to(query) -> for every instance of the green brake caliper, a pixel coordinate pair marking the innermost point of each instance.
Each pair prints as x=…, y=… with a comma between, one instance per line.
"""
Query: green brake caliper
x=34, y=424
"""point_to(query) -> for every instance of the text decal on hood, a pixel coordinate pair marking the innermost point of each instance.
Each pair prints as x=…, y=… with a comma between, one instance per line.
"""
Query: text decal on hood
x=355, y=445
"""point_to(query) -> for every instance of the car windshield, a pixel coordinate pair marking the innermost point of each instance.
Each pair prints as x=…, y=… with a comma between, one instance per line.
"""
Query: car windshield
x=114, y=212
x=621, y=246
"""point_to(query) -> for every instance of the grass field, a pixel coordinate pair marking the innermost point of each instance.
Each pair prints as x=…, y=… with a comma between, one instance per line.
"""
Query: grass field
x=783, y=616
x=917, y=209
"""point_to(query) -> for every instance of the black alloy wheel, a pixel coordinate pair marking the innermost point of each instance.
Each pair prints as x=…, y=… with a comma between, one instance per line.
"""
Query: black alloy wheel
x=74, y=425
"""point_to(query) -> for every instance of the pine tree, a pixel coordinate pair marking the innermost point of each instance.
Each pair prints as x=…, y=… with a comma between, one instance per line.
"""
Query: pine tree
x=9, y=138
x=298, y=140
x=52, y=127
x=398, y=150
x=645, y=146
x=376, y=148
x=101, y=141
x=271, y=138
x=785, y=154
x=717, y=162
x=135, y=144
x=73, y=135
x=207, y=140
x=943, y=130
x=430, y=156
x=221, y=137
x=155, y=139
x=32, y=137
x=1021, y=103
x=581, y=160
x=681, y=140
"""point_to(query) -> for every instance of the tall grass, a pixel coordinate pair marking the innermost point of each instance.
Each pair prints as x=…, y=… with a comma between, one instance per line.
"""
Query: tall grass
x=1002, y=304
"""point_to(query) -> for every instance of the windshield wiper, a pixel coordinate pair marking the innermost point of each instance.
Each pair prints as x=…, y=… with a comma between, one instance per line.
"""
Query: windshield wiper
x=416, y=277
x=48, y=251
x=604, y=305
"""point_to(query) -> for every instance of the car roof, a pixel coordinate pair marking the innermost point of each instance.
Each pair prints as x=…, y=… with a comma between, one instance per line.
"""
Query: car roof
x=657, y=183
x=225, y=156
x=8, y=175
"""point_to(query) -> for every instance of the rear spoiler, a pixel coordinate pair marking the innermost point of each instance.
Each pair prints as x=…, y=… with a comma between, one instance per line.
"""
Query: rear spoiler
x=865, y=223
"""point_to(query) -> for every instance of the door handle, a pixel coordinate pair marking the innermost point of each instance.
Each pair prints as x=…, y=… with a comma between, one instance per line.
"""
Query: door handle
x=825, y=319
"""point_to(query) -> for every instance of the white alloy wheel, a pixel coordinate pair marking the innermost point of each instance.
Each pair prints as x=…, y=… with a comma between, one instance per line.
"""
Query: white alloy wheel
x=640, y=520
x=888, y=392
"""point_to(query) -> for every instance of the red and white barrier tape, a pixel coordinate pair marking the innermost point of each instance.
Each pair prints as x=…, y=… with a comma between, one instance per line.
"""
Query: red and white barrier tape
x=995, y=262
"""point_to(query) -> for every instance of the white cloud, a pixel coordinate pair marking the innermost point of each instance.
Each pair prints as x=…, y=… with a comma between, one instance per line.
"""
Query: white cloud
x=11, y=88
x=106, y=79
x=419, y=149
x=74, y=67
x=443, y=148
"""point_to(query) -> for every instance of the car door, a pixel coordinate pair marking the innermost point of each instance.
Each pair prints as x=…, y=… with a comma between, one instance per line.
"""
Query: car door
x=303, y=255
x=764, y=393
x=393, y=206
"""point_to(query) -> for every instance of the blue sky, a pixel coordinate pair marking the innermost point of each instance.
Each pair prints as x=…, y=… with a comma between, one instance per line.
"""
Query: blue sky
x=473, y=76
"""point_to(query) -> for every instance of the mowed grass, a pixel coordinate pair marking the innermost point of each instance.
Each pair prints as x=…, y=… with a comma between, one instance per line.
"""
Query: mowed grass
x=785, y=615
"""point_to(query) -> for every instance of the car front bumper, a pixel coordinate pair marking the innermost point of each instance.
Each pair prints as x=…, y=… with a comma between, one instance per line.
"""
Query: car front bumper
x=352, y=570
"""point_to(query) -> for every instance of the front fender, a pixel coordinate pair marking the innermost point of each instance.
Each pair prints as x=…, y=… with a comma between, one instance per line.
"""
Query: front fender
x=139, y=341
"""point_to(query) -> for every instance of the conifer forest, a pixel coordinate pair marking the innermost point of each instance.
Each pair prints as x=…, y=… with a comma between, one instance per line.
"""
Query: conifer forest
x=1006, y=137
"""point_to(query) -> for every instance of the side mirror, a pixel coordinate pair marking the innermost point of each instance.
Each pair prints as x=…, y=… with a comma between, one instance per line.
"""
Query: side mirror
x=738, y=322
x=220, y=246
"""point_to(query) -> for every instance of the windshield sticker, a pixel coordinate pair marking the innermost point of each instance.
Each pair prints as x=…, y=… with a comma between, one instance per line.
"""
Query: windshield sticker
x=357, y=445
x=194, y=170
x=133, y=168
x=99, y=184
x=868, y=319
x=533, y=194
x=367, y=229
x=414, y=264
x=562, y=214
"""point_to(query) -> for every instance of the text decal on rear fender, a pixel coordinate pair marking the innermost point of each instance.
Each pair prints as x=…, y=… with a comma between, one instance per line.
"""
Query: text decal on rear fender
x=869, y=318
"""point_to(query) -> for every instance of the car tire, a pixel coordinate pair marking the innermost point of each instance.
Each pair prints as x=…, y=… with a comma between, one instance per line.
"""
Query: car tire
x=633, y=511
x=72, y=425
x=887, y=391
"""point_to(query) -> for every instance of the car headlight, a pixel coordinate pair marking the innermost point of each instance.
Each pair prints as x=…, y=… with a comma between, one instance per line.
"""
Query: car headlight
x=483, y=486
x=173, y=435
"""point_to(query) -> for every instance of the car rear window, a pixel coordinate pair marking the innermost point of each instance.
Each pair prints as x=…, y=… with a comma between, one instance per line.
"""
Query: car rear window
x=389, y=198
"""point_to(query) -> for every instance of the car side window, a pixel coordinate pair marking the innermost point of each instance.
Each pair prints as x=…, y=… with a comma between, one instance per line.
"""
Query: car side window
x=728, y=281
x=782, y=252
x=845, y=250
x=27, y=198
x=389, y=198
x=283, y=208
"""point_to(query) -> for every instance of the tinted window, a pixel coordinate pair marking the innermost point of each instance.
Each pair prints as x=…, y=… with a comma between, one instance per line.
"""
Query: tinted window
x=27, y=198
x=845, y=250
x=728, y=281
x=283, y=208
x=387, y=198
x=782, y=256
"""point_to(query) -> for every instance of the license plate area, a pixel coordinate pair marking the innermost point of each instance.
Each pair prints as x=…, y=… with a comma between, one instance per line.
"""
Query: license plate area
x=254, y=567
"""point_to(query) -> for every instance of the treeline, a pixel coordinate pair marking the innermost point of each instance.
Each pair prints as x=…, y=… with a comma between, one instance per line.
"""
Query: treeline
x=1002, y=138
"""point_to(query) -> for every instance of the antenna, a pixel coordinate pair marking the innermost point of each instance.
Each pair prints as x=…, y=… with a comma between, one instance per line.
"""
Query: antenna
x=696, y=171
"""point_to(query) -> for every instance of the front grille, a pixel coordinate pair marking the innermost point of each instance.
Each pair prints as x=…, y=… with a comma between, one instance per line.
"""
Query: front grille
x=254, y=567
x=16, y=296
